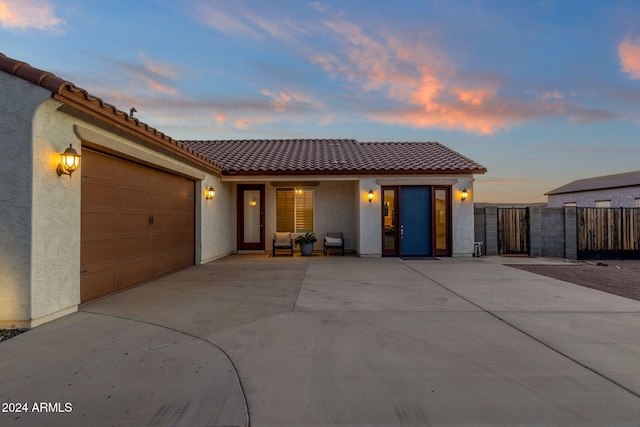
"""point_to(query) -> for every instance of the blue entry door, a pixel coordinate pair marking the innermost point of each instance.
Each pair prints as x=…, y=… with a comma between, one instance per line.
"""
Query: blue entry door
x=415, y=221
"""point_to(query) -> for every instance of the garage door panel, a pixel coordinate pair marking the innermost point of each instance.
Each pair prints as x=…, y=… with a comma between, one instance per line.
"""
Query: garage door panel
x=97, y=283
x=164, y=182
x=98, y=196
x=101, y=171
x=163, y=265
x=129, y=222
x=133, y=175
x=137, y=220
x=184, y=204
x=97, y=224
x=134, y=246
x=134, y=273
x=162, y=243
x=132, y=199
x=184, y=239
x=99, y=251
x=183, y=259
x=163, y=203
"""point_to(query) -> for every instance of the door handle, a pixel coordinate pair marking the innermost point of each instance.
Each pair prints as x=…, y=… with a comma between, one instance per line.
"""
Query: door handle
x=150, y=219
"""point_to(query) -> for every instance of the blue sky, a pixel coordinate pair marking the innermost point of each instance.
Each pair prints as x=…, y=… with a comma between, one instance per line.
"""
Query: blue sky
x=539, y=92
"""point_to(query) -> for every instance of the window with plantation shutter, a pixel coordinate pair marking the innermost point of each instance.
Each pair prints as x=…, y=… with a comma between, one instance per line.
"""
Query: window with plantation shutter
x=294, y=210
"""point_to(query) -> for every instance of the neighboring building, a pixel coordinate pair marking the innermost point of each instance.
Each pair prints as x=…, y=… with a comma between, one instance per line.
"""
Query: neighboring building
x=138, y=206
x=609, y=191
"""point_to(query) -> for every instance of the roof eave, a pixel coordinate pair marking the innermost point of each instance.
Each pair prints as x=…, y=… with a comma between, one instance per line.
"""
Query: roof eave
x=339, y=172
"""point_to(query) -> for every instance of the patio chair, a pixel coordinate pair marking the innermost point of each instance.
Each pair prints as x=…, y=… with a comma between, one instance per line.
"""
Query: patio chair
x=282, y=241
x=333, y=240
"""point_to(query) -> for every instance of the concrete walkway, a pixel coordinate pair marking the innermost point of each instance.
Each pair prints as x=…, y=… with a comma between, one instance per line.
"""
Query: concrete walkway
x=340, y=341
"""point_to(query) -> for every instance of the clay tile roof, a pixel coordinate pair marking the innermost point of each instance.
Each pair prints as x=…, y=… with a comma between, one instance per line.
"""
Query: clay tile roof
x=66, y=92
x=337, y=156
x=627, y=179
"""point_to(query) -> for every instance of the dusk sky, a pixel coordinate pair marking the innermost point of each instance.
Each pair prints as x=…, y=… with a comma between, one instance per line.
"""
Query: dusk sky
x=539, y=92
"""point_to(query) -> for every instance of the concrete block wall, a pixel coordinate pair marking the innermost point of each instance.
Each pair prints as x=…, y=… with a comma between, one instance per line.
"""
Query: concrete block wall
x=570, y=232
x=486, y=229
x=552, y=231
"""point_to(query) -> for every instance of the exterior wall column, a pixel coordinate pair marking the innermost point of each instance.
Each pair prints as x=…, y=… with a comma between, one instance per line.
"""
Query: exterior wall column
x=570, y=232
x=462, y=218
x=535, y=231
x=370, y=219
x=491, y=230
x=39, y=213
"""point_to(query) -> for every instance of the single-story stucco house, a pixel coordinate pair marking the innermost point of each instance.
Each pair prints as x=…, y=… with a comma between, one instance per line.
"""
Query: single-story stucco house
x=139, y=206
x=621, y=190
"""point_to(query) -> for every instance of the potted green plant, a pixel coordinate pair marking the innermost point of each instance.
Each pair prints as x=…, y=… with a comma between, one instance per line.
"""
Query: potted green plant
x=306, y=242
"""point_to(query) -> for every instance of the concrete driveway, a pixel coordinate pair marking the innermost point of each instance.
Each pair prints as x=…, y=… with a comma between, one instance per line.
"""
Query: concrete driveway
x=340, y=341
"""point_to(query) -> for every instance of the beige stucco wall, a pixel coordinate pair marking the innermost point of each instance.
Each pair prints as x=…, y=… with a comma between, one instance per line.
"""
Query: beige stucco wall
x=55, y=245
x=370, y=226
x=18, y=103
x=218, y=230
x=462, y=217
x=335, y=212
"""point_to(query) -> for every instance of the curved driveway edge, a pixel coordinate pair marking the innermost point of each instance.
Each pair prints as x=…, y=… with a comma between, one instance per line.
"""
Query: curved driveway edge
x=89, y=369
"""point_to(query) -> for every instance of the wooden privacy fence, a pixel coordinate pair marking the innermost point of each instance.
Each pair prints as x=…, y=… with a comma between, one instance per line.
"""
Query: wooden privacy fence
x=608, y=232
x=513, y=231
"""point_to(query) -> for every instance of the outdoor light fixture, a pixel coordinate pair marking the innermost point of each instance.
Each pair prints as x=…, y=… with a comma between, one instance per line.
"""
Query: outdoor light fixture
x=465, y=193
x=370, y=196
x=210, y=193
x=70, y=160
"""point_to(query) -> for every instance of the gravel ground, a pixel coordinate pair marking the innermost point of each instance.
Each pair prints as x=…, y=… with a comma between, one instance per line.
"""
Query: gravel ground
x=616, y=277
x=5, y=334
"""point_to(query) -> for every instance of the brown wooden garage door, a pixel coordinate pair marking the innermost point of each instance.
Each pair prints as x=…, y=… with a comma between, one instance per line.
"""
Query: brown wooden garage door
x=137, y=224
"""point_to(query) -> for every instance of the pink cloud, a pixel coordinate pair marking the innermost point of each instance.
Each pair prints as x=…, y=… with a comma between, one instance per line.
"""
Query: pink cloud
x=417, y=76
x=285, y=99
x=475, y=97
x=629, y=53
x=29, y=14
x=425, y=88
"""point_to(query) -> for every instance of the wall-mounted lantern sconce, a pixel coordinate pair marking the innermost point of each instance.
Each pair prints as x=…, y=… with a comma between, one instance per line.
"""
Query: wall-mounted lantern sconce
x=370, y=196
x=210, y=193
x=70, y=160
x=464, y=195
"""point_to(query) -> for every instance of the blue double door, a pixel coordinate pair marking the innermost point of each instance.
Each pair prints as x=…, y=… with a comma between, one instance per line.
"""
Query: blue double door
x=416, y=221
